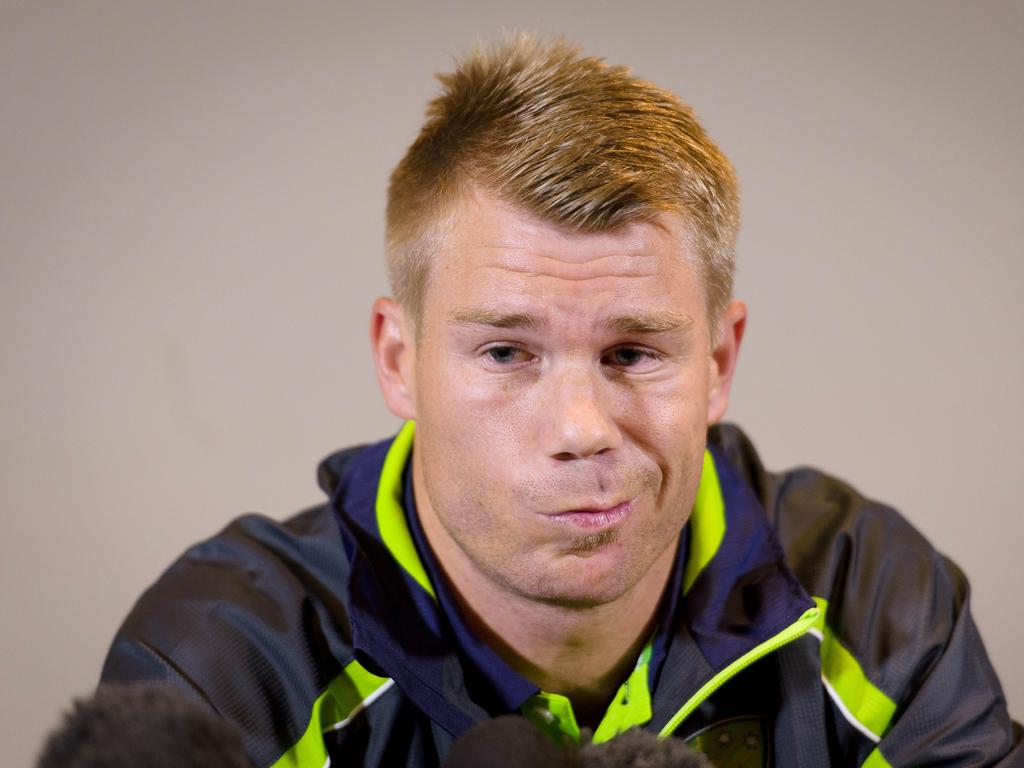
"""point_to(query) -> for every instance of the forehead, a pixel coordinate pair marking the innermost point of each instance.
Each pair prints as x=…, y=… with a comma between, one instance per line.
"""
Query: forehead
x=494, y=253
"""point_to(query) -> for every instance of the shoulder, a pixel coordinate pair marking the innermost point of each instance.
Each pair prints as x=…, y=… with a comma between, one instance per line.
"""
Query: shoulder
x=832, y=534
x=900, y=654
x=252, y=621
x=890, y=598
x=254, y=568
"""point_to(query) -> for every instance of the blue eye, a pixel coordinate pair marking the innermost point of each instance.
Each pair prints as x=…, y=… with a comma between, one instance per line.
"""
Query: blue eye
x=627, y=356
x=505, y=355
x=634, y=358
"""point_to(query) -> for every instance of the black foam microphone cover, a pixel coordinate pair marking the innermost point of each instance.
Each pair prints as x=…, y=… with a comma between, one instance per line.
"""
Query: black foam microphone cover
x=509, y=741
x=142, y=724
x=637, y=748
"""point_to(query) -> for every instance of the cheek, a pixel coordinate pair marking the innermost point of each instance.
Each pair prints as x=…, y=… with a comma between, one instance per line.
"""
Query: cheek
x=468, y=438
x=480, y=418
x=666, y=413
x=670, y=427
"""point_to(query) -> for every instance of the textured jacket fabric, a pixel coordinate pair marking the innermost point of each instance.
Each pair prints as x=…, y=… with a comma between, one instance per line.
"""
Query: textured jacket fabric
x=815, y=628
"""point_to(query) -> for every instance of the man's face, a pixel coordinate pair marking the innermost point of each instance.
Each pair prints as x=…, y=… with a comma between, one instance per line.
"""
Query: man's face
x=560, y=384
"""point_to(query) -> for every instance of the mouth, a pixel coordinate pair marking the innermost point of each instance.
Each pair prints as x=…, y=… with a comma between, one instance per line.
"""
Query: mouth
x=595, y=519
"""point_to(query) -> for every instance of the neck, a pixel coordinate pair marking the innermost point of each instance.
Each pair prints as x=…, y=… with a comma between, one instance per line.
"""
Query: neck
x=584, y=653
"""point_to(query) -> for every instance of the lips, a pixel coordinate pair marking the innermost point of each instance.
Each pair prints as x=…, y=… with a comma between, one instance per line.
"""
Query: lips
x=595, y=519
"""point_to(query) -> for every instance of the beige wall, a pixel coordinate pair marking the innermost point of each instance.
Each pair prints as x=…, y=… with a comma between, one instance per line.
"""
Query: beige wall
x=191, y=201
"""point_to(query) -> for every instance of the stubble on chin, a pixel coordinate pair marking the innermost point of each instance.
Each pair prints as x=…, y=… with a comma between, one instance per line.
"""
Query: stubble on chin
x=593, y=541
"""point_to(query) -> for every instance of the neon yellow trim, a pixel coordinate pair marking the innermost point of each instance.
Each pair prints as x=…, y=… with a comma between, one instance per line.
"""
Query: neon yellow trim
x=342, y=697
x=869, y=705
x=875, y=760
x=707, y=523
x=553, y=712
x=631, y=705
x=790, y=633
x=350, y=690
x=394, y=530
x=309, y=751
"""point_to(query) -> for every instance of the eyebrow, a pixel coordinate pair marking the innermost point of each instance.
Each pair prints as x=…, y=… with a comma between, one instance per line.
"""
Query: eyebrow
x=660, y=322
x=642, y=323
x=494, y=319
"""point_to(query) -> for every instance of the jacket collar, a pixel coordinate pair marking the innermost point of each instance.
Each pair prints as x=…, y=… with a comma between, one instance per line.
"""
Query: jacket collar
x=736, y=588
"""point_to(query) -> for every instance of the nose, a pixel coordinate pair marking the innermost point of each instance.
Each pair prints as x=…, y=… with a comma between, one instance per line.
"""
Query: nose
x=579, y=423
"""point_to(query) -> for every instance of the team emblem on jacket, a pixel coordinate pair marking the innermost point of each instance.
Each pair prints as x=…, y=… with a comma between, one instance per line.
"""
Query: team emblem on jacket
x=740, y=742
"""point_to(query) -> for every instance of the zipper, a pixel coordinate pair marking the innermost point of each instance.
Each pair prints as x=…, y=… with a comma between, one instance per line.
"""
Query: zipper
x=772, y=644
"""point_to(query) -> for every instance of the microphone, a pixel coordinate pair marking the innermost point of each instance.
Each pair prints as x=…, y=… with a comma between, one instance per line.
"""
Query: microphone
x=511, y=741
x=142, y=724
x=158, y=726
x=637, y=748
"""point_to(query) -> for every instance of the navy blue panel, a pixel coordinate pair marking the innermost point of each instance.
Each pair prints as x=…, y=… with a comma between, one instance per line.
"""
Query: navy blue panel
x=491, y=681
x=667, y=610
x=396, y=628
x=746, y=594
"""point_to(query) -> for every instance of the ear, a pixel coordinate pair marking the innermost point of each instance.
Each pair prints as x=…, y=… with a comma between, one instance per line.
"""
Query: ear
x=394, y=354
x=723, y=358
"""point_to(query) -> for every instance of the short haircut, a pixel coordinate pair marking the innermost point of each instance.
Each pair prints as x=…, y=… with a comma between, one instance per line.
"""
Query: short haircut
x=568, y=139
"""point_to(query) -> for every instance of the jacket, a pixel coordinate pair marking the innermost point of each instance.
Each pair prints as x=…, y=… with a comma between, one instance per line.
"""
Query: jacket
x=814, y=628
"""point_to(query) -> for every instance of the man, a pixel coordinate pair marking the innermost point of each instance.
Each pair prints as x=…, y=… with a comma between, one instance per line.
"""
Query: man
x=556, y=531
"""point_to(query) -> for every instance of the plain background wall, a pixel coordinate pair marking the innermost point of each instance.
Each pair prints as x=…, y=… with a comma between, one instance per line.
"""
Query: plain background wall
x=191, y=218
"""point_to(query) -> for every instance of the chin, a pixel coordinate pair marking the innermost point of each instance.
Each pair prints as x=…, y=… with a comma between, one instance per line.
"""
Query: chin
x=583, y=597
x=585, y=583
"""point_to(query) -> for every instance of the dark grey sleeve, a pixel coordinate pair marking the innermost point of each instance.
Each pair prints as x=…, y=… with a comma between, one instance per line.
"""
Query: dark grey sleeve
x=131, y=661
x=956, y=714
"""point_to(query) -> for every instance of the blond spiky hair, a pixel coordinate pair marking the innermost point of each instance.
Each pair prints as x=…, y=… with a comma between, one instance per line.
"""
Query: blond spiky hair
x=566, y=138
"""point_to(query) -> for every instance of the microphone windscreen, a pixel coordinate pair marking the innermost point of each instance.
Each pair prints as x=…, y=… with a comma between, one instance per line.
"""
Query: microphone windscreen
x=509, y=741
x=637, y=748
x=142, y=724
